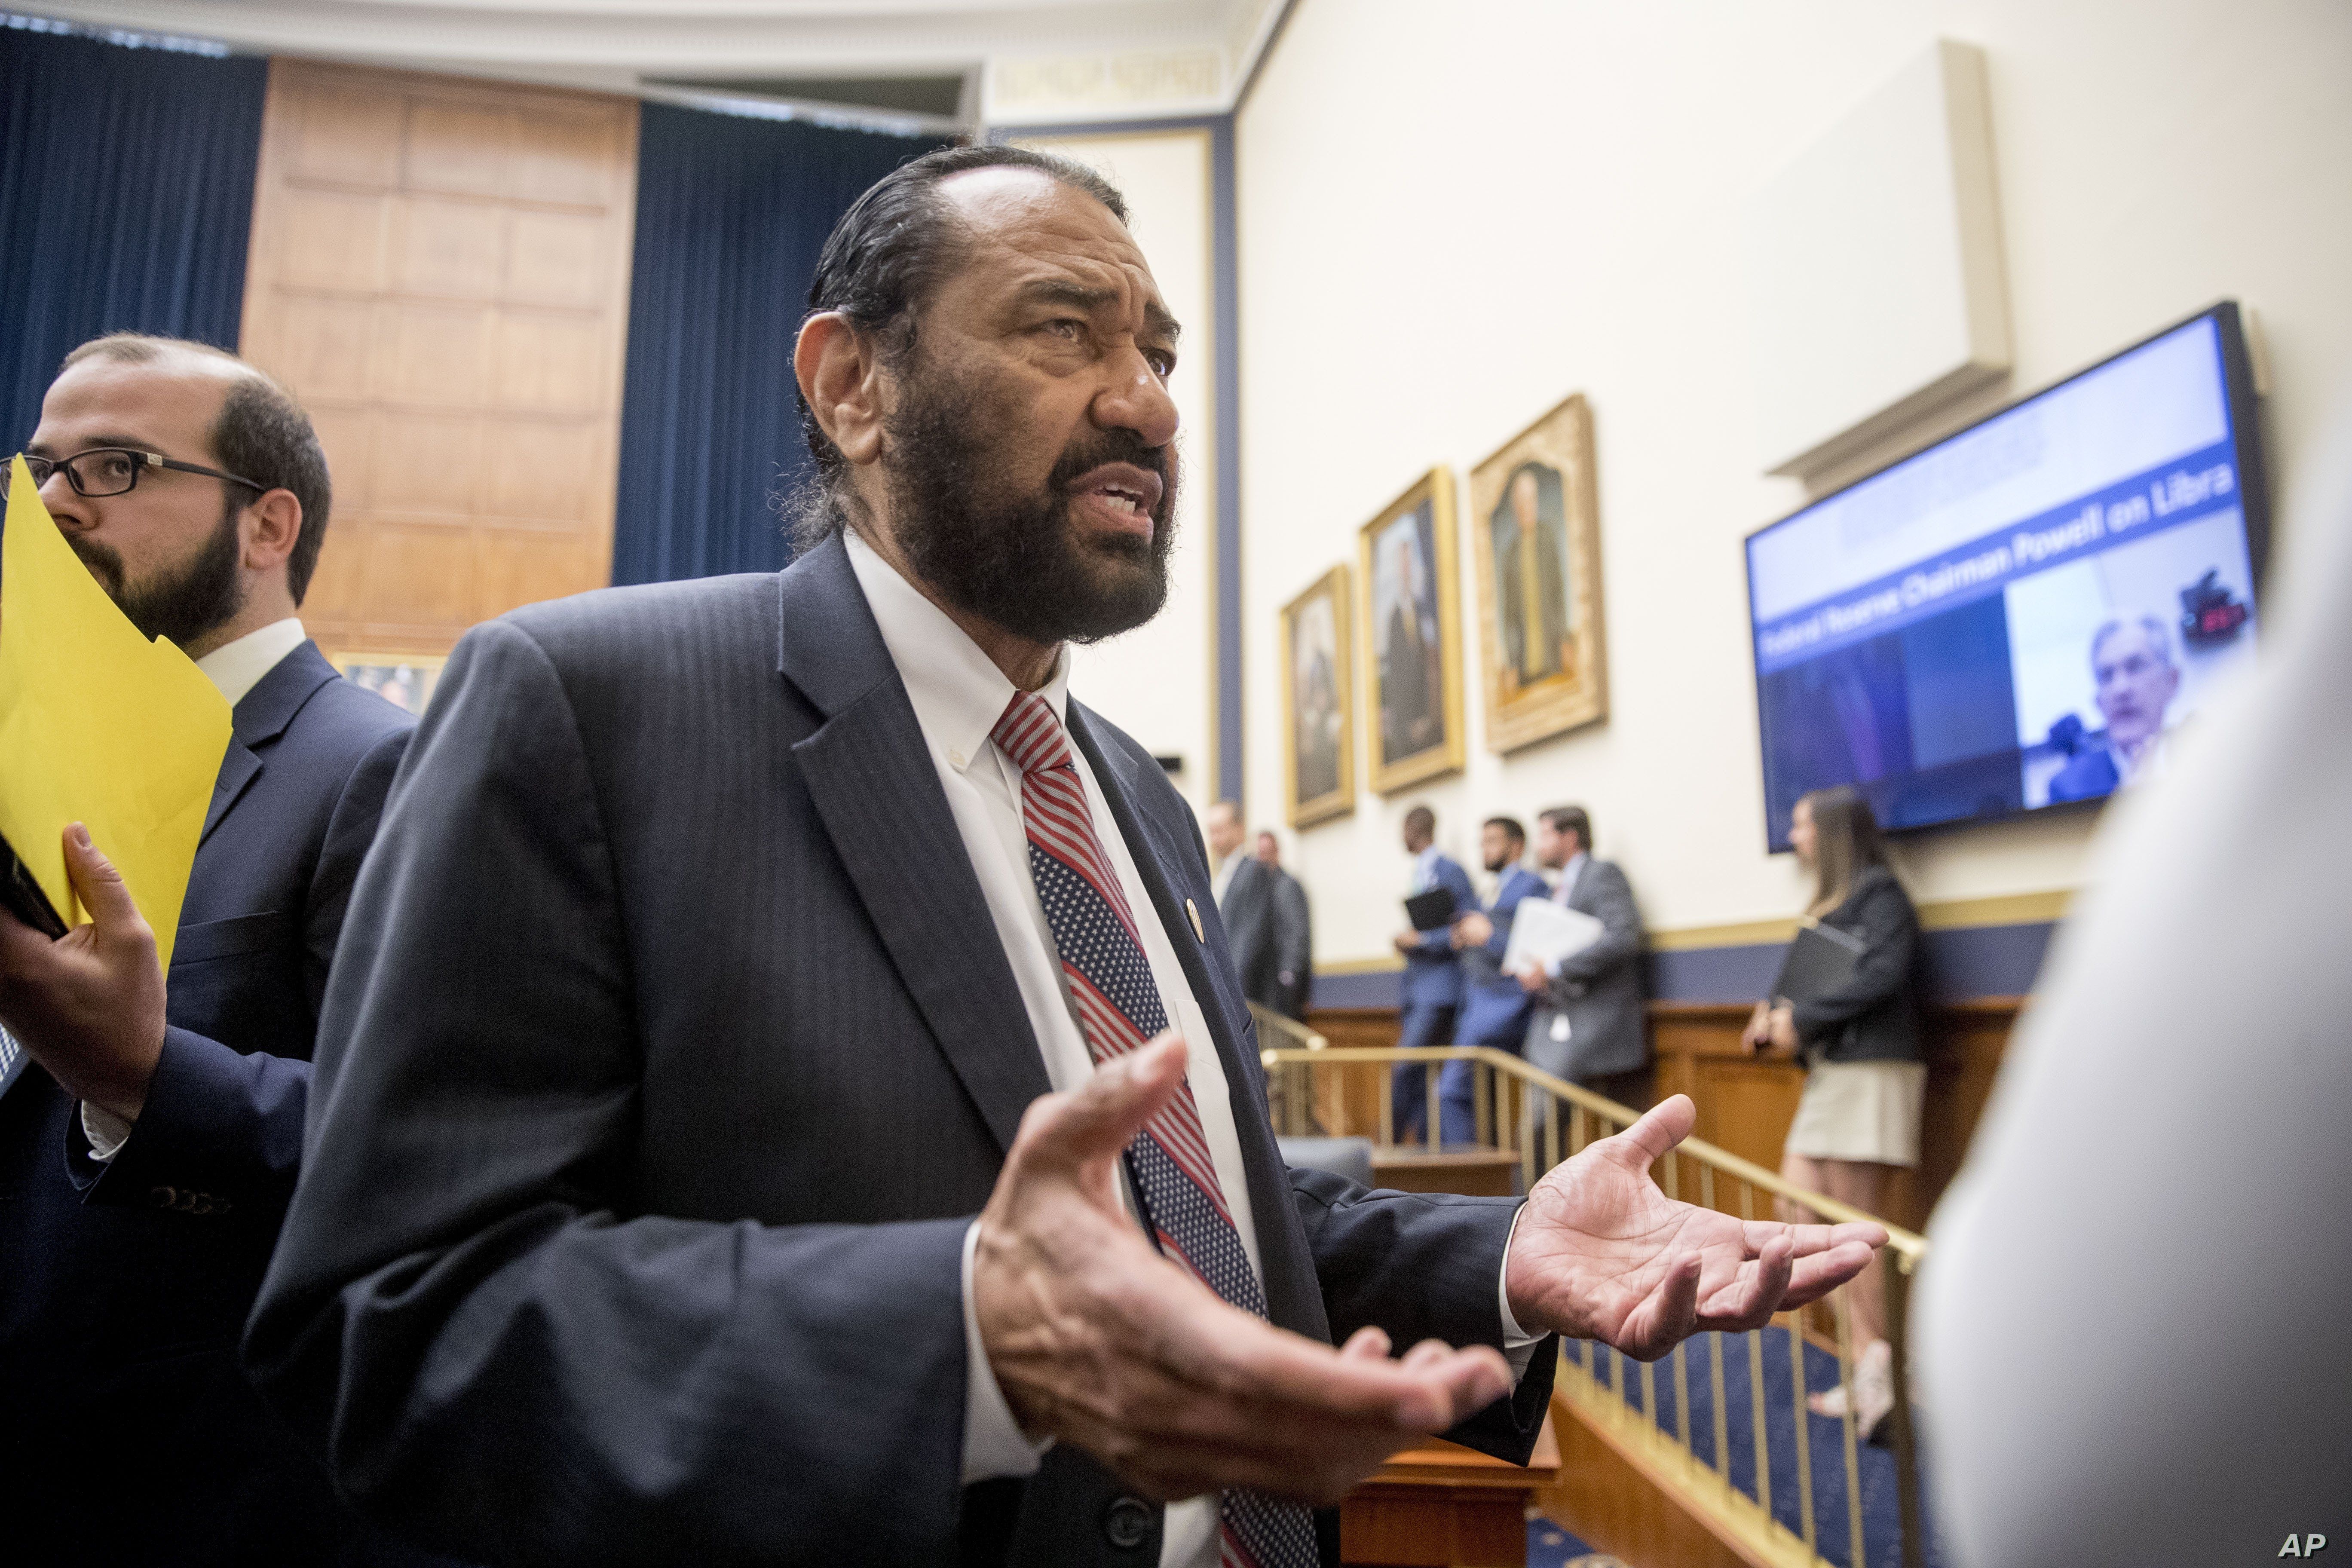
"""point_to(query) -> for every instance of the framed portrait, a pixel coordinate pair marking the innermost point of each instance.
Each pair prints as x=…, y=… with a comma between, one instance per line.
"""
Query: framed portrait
x=403, y=680
x=1318, y=736
x=1413, y=663
x=1536, y=537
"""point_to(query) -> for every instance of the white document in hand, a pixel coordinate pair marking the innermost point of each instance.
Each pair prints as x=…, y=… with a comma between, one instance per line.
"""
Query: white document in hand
x=1544, y=932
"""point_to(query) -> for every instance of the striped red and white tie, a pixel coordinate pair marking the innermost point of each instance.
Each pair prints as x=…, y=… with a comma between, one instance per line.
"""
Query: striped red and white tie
x=1118, y=1010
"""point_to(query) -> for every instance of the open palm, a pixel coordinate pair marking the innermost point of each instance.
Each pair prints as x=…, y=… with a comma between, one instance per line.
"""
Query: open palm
x=1601, y=1253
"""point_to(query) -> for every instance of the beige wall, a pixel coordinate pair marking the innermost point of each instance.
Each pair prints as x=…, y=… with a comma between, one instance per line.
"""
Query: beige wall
x=1452, y=217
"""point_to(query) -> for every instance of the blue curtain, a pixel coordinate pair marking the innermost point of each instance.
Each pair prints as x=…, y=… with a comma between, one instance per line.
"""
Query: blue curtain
x=126, y=193
x=731, y=213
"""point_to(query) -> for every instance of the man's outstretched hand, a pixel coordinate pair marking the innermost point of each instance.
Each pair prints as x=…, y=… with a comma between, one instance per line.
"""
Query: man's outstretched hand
x=1601, y=1253
x=1098, y=1341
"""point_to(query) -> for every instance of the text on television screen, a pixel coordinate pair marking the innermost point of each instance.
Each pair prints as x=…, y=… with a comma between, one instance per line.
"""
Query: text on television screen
x=2026, y=613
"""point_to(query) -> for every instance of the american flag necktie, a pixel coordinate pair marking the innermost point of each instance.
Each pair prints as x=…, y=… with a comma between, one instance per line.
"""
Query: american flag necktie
x=1118, y=1011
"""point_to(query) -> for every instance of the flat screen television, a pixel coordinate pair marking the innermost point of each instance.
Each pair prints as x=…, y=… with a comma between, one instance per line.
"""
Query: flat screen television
x=2023, y=615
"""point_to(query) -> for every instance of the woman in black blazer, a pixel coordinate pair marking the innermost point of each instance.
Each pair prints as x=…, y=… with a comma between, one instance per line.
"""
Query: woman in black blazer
x=1858, y=1120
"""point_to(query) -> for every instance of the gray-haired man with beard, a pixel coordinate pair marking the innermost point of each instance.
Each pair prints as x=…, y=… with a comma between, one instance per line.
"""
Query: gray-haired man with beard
x=775, y=1001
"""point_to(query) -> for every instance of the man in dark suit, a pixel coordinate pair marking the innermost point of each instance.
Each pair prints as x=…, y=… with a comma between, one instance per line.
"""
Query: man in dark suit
x=148, y=1147
x=1495, y=1006
x=2131, y=663
x=1265, y=914
x=1588, y=1026
x=1431, y=994
x=730, y=945
x=1294, y=927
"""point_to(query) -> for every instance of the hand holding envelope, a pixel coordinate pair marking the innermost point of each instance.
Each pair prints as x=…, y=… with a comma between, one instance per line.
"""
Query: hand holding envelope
x=118, y=740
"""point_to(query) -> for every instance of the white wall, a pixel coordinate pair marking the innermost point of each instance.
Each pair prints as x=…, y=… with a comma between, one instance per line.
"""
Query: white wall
x=1156, y=681
x=1451, y=217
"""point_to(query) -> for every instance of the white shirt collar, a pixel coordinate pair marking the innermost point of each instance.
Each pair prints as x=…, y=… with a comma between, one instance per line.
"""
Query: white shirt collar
x=236, y=668
x=958, y=693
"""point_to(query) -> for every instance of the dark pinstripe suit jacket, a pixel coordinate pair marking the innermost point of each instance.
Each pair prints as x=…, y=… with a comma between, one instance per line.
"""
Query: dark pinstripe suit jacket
x=670, y=1051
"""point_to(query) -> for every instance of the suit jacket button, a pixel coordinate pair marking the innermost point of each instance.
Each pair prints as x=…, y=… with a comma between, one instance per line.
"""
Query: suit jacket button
x=1127, y=1523
x=162, y=1197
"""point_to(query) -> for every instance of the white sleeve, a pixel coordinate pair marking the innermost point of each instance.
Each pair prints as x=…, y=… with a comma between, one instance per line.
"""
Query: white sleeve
x=107, y=1132
x=994, y=1445
x=1519, y=1345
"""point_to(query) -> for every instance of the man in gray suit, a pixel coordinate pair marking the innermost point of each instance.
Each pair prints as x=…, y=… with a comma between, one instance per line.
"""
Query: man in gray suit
x=1588, y=1026
x=774, y=1001
x=1265, y=911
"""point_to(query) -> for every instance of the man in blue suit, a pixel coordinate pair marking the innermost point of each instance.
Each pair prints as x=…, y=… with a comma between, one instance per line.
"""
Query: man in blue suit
x=1433, y=972
x=1495, y=1005
x=149, y=1140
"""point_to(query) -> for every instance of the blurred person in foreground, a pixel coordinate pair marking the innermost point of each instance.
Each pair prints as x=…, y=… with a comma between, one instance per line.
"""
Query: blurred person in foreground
x=1588, y=1026
x=2166, y=1151
x=1495, y=1005
x=1431, y=995
x=786, y=1099
x=148, y=1150
x=1866, y=1082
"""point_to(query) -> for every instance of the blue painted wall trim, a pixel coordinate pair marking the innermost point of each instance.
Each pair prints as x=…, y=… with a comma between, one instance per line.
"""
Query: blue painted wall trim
x=1964, y=964
x=1226, y=506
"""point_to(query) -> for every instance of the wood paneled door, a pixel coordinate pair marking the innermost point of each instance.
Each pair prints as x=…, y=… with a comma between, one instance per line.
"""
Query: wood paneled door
x=440, y=271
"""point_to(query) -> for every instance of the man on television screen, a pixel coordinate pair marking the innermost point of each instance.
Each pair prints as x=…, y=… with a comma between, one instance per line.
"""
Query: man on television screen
x=2131, y=660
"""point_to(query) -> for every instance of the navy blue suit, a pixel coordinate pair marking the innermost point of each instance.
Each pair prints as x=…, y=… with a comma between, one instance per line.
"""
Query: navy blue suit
x=1432, y=998
x=128, y=1434
x=1493, y=1005
x=2087, y=775
x=671, y=1050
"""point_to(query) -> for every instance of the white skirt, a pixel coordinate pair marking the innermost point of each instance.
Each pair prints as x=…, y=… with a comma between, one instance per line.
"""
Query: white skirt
x=1860, y=1110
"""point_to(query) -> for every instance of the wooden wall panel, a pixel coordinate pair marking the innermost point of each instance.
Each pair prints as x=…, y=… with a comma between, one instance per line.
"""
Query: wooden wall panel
x=439, y=269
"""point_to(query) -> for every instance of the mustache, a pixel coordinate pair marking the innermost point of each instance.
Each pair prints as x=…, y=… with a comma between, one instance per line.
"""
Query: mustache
x=1116, y=446
x=103, y=561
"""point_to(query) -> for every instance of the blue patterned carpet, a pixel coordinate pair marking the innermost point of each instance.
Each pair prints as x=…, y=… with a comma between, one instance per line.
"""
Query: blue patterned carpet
x=1550, y=1546
x=1881, y=1522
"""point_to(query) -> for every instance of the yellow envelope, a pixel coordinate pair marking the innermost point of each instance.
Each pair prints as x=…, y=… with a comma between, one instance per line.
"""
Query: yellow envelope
x=98, y=725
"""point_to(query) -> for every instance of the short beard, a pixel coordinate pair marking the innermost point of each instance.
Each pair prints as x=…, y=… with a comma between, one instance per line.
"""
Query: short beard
x=183, y=604
x=1015, y=560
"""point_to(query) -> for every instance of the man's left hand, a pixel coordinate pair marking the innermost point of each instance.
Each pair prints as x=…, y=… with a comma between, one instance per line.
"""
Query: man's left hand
x=1531, y=977
x=1601, y=1253
x=1473, y=929
x=88, y=1006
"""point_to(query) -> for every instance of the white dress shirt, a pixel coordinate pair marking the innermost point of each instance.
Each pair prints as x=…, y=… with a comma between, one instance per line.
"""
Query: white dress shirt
x=236, y=669
x=958, y=694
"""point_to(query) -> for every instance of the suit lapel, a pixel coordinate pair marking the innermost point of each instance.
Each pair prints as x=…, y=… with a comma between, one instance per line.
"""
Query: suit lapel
x=1167, y=865
x=260, y=717
x=239, y=768
x=876, y=791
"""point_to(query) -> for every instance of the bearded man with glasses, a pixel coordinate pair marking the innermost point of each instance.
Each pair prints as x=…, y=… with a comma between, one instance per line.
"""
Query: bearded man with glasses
x=150, y=1133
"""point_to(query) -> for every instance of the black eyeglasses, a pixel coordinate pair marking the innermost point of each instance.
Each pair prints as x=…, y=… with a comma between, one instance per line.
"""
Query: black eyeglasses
x=113, y=471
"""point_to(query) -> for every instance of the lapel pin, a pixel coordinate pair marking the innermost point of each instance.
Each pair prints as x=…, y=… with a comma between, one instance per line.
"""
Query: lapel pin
x=1197, y=933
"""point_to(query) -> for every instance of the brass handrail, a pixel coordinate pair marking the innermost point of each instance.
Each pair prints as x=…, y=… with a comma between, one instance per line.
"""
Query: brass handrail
x=1506, y=1090
x=1909, y=1245
x=1270, y=1022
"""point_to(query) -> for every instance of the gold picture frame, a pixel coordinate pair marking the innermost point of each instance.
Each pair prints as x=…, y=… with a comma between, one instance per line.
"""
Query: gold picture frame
x=1536, y=537
x=406, y=681
x=1319, y=716
x=1412, y=692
